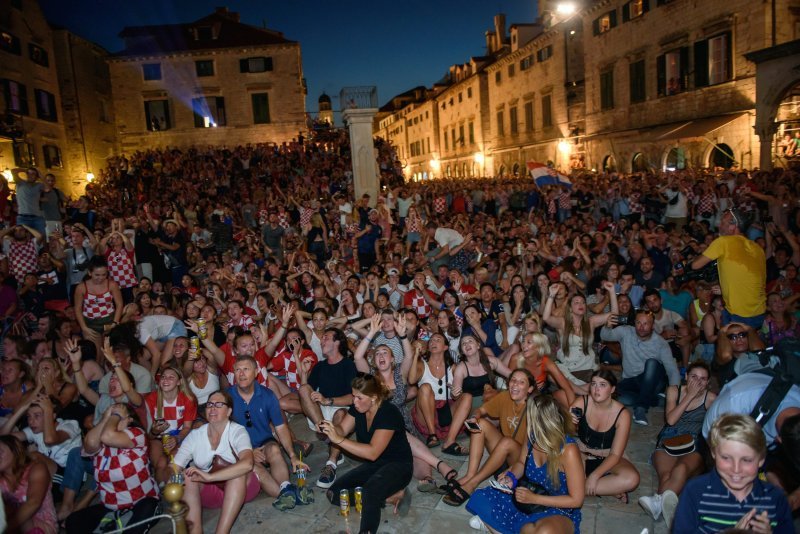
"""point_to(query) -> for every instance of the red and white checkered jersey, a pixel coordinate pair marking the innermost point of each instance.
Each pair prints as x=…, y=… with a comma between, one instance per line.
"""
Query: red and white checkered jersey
x=23, y=258
x=707, y=203
x=283, y=220
x=564, y=201
x=414, y=299
x=97, y=306
x=120, y=267
x=245, y=321
x=177, y=413
x=123, y=475
x=284, y=364
x=440, y=204
x=635, y=202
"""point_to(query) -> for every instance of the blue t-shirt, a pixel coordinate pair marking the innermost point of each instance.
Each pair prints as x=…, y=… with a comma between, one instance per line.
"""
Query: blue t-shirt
x=678, y=303
x=262, y=409
x=707, y=506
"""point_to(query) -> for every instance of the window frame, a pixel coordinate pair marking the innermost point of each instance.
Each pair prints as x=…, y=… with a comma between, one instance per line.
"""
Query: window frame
x=149, y=71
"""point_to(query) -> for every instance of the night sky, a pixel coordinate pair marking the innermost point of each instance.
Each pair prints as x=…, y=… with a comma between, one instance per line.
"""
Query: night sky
x=393, y=45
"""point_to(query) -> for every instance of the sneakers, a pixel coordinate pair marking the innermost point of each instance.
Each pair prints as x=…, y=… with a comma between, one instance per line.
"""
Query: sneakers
x=640, y=416
x=668, y=507
x=476, y=523
x=305, y=495
x=287, y=498
x=652, y=505
x=326, y=477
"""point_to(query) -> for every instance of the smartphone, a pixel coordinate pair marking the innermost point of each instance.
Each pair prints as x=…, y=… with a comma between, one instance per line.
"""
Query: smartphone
x=500, y=487
x=472, y=426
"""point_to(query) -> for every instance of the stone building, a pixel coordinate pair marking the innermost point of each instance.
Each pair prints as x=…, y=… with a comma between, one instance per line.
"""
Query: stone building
x=86, y=105
x=32, y=128
x=667, y=82
x=325, y=114
x=536, y=97
x=212, y=81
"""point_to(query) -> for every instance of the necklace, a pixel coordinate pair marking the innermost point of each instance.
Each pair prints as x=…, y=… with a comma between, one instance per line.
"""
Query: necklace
x=513, y=422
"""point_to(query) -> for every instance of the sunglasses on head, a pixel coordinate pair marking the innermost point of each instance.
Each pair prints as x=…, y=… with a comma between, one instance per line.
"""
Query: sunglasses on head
x=249, y=423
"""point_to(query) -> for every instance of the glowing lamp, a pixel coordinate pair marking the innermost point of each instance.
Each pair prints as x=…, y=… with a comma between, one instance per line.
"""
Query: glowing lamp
x=8, y=175
x=565, y=8
x=435, y=164
x=479, y=158
x=89, y=177
x=564, y=147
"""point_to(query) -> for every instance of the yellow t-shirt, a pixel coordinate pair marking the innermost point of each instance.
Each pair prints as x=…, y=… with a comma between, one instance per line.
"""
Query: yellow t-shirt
x=501, y=407
x=742, y=274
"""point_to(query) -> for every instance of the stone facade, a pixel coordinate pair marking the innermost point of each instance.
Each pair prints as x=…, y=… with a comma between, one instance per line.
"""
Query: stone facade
x=32, y=133
x=652, y=65
x=214, y=81
x=86, y=104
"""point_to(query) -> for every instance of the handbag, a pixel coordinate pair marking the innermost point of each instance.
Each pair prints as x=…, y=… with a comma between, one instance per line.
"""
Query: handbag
x=679, y=445
x=443, y=414
x=530, y=485
x=218, y=462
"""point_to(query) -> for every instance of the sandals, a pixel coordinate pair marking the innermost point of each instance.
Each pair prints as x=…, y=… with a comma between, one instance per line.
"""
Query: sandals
x=456, y=495
x=432, y=441
x=454, y=449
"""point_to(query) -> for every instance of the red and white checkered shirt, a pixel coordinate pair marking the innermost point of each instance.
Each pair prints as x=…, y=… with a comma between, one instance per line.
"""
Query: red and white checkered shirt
x=245, y=322
x=707, y=203
x=634, y=202
x=23, y=258
x=742, y=198
x=440, y=204
x=413, y=224
x=283, y=220
x=180, y=412
x=123, y=475
x=263, y=217
x=305, y=216
x=120, y=267
x=564, y=201
x=97, y=306
x=413, y=299
x=283, y=364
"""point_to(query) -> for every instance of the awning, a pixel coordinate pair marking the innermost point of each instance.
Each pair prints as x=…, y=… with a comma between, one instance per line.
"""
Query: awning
x=698, y=128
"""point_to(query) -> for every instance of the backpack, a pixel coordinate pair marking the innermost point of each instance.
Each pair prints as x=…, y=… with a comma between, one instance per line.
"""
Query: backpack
x=785, y=373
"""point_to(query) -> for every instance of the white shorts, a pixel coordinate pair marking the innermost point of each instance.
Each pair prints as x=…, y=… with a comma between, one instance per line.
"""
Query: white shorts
x=327, y=414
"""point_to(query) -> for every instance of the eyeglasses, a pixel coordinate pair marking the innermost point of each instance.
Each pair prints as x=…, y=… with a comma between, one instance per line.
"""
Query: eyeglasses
x=738, y=335
x=249, y=423
x=218, y=404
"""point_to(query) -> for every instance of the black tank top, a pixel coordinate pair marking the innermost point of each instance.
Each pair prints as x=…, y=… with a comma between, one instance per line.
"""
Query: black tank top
x=474, y=384
x=592, y=438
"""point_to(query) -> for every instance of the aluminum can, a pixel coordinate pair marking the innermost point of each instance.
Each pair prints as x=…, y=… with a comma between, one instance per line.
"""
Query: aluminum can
x=344, y=502
x=359, y=493
x=301, y=477
x=203, y=329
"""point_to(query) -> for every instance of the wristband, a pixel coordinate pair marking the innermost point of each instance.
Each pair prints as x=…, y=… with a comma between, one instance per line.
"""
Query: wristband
x=402, y=337
x=115, y=365
x=370, y=339
x=513, y=478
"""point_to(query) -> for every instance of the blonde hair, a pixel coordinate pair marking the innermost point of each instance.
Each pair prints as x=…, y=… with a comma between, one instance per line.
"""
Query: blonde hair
x=183, y=386
x=548, y=426
x=541, y=343
x=741, y=428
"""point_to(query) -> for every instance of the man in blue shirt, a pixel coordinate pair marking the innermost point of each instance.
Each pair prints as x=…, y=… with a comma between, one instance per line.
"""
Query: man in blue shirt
x=255, y=407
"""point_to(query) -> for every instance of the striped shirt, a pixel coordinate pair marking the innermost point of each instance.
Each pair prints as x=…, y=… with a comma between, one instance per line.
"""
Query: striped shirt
x=707, y=506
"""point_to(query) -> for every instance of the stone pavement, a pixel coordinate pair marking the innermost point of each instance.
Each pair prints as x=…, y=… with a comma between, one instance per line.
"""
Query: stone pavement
x=428, y=514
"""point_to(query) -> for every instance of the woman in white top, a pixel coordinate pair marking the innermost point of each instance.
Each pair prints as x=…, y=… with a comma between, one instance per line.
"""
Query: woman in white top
x=434, y=378
x=221, y=455
x=203, y=380
x=576, y=357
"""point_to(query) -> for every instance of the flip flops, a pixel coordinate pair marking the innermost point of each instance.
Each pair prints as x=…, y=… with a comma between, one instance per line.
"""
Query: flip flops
x=454, y=449
x=456, y=495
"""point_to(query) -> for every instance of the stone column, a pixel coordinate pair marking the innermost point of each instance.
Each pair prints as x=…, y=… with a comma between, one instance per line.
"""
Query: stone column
x=365, y=165
x=765, y=130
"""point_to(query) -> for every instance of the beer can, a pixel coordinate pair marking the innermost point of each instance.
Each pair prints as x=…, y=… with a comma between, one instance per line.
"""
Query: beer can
x=194, y=342
x=301, y=477
x=203, y=329
x=359, y=494
x=344, y=502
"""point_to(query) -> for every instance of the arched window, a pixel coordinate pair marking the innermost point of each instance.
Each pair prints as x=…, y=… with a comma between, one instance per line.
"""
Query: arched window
x=722, y=156
x=676, y=159
x=638, y=163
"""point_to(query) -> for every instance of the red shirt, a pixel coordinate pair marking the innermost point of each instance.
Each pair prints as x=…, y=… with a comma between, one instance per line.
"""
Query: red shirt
x=178, y=413
x=261, y=357
x=284, y=364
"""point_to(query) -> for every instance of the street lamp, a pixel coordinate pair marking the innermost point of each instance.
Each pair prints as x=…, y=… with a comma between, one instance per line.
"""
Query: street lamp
x=564, y=147
x=9, y=176
x=565, y=8
x=479, y=158
x=89, y=177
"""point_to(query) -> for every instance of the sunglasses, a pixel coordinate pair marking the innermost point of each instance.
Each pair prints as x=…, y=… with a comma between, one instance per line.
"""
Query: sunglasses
x=738, y=335
x=218, y=404
x=249, y=423
x=441, y=383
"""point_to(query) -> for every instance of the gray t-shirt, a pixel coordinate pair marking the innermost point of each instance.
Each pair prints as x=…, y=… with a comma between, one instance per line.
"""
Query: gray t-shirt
x=28, y=198
x=272, y=237
x=51, y=204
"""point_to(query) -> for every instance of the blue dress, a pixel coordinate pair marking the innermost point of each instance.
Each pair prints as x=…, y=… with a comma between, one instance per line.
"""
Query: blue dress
x=497, y=510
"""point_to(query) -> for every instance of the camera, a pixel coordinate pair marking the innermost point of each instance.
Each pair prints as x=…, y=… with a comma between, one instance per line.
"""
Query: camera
x=708, y=274
x=622, y=320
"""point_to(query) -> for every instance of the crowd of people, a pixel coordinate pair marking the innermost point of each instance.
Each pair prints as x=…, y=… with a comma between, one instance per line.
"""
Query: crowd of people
x=167, y=325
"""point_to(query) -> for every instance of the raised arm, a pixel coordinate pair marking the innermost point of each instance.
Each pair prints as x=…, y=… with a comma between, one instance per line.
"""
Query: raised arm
x=360, y=356
x=547, y=315
x=600, y=318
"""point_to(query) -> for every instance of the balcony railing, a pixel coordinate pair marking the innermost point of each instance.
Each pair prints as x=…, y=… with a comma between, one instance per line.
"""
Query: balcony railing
x=11, y=126
x=365, y=96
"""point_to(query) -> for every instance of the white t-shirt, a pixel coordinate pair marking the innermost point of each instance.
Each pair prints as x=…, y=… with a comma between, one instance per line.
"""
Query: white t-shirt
x=669, y=321
x=448, y=236
x=57, y=453
x=197, y=448
x=202, y=394
x=156, y=327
